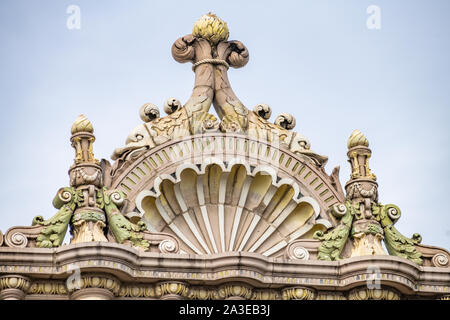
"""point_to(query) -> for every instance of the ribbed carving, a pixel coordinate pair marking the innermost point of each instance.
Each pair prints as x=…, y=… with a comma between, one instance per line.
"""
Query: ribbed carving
x=133, y=291
x=297, y=293
x=14, y=282
x=229, y=207
x=373, y=294
x=203, y=293
x=97, y=281
x=266, y=294
x=48, y=288
x=171, y=288
x=235, y=291
x=357, y=139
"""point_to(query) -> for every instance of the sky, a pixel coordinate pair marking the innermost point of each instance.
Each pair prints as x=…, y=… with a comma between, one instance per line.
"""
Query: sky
x=315, y=59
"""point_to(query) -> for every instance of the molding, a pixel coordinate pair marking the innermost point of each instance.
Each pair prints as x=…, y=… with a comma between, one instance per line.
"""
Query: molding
x=158, y=163
x=134, y=267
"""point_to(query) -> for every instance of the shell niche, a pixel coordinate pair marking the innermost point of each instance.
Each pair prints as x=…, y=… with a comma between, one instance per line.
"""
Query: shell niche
x=217, y=207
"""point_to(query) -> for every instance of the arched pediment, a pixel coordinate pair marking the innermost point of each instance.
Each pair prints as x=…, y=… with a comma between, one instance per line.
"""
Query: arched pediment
x=219, y=193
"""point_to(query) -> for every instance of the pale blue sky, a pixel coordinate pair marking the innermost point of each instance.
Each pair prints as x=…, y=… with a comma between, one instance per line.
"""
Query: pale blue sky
x=315, y=59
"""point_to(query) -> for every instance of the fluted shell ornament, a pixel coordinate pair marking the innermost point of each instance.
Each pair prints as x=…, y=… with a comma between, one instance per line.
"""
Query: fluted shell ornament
x=210, y=27
x=82, y=124
x=357, y=139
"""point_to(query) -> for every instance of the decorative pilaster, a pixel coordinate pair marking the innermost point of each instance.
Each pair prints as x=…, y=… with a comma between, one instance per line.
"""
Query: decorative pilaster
x=13, y=287
x=362, y=193
x=88, y=220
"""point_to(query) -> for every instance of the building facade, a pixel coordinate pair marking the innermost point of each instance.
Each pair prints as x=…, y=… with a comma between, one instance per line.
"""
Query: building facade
x=196, y=206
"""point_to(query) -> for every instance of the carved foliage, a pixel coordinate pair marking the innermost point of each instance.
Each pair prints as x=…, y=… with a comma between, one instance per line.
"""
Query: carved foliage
x=55, y=228
x=396, y=243
x=120, y=226
x=333, y=241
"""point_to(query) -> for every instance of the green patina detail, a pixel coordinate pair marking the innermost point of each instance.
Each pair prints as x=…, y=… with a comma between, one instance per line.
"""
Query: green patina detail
x=69, y=199
x=333, y=241
x=56, y=227
x=119, y=225
x=396, y=243
x=90, y=215
x=371, y=229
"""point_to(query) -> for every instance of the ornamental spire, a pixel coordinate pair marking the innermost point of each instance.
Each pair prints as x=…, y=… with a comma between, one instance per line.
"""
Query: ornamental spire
x=363, y=223
x=82, y=141
x=359, y=155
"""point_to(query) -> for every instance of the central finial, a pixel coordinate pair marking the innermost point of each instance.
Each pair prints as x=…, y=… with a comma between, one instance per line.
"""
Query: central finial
x=210, y=27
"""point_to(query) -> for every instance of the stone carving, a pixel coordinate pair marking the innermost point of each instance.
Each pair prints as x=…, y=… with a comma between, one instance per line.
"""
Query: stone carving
x=298, y=293
x=94, y=287
x=434, y=256
x=362, y=219
x=235, y=292
x=297, y=252
x=135, y=292
x=52, y=235
x=88, y=206
x=172, y=105
x=236, y=210
x=396, y=243
x=333, y=241
x=203, y=293
x=330, y=296
x=171, y=290
x=265, y=294
x=212, y=55
x=252, y=211
x=123, y=229
x=440, y=260
x=149, y=112
x=48, y=288
x=263, y=110
x=13, y=287
x=373, y=294
x=21, y=237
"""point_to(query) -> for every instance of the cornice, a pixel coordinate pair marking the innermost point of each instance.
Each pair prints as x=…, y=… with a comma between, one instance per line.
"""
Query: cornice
x=133, y=266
